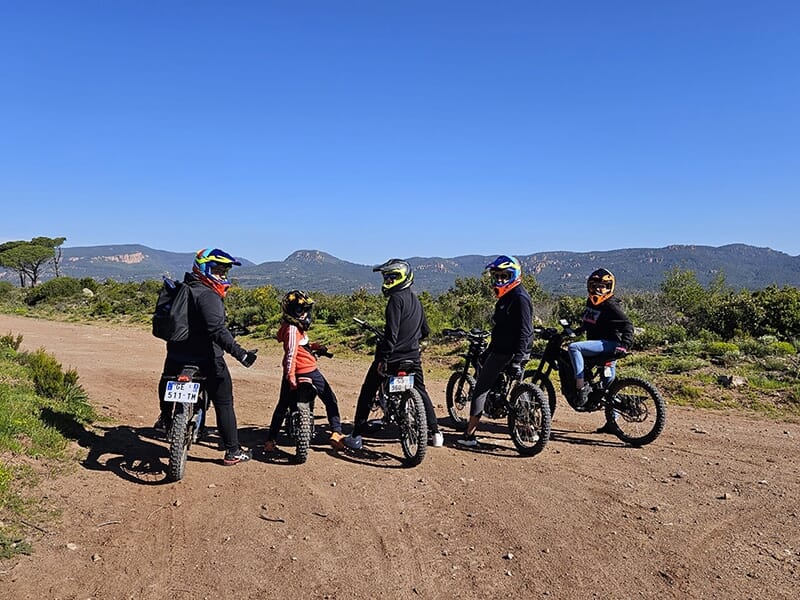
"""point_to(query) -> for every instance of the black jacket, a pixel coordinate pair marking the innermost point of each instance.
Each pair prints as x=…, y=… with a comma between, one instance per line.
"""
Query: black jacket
x=208, y=337
x=513, y=324
x=607, y=321
x=405, y=327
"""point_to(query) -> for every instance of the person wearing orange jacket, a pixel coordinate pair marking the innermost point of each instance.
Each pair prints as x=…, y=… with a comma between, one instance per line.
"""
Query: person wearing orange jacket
x=300, y=366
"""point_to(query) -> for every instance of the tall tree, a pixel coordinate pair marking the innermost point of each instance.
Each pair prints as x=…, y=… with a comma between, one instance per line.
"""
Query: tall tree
x=55, y=244
x=28, y=259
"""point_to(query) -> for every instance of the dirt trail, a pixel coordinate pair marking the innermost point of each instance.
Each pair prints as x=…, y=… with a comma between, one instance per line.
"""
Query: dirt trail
x=709, y=510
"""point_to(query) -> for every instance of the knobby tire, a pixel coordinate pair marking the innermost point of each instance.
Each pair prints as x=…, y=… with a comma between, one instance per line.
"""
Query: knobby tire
x=179, y=441
x=303, y=428
x=529, y=419
x=458, y=396
x=636, y=411
x=413, y=427
x=544, y=384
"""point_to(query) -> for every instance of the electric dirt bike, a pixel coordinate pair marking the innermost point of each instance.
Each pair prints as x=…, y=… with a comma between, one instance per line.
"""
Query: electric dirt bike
x=401, y=405
x=190, y=406
x=299, y=417
x=634, y=409
x=462, y=381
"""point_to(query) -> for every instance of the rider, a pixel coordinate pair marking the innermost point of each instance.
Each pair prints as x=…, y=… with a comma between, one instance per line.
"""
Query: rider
x=300, y=366
x=510, y=341
x=208, y=340
x=609, y=331
x=405, y=327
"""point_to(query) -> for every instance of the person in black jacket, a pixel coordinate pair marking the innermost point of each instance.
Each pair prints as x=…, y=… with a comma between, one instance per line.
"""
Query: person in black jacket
x=609, y=331
x=510, y=341
x=405, y=327
x=208, y=340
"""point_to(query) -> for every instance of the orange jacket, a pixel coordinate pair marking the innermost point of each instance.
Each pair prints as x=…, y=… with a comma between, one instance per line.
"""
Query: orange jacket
x=297, y=359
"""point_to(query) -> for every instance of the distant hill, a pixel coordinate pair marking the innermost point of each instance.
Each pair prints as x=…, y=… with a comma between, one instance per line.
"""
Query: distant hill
x=637, y=269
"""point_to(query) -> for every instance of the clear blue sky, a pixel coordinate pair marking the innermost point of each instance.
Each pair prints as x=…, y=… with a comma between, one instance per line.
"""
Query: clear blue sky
x=378, y=128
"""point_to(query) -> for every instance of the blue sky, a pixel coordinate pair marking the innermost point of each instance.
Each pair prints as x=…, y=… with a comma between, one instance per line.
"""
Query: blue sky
x=373, y=129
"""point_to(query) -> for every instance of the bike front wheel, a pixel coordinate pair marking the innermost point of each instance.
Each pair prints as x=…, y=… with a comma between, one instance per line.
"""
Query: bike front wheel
x=302, y=425
x=179, y=441
x=413, y=427
x=458, y=396
x=635, y=411
x=529, y=419
x=544, y=384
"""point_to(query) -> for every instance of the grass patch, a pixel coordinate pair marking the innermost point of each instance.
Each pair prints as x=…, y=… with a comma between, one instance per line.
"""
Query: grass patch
x=41, y=409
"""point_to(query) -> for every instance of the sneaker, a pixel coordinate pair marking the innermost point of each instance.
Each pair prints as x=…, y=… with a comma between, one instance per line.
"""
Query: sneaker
x=354, y=443
x=468, y=441
x=437, y=439
x=583, y=396
x=269, y=446
x=336, y=440
x=163, y=424
x=236, y=456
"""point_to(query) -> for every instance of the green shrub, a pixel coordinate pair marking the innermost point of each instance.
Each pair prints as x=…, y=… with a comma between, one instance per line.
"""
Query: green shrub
x=720, y=349
x=782, y=349
x=46, y=373
x=60, y=288
x=9, y=341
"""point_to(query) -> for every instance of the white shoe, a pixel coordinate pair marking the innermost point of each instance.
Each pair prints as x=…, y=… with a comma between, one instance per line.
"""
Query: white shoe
x=354, y=443
x=437, y=440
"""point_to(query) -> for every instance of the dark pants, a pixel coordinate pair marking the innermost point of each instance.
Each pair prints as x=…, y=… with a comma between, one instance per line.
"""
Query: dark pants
x=287, y=396
x=218, y=386
x=493, y=365
x=369, y=388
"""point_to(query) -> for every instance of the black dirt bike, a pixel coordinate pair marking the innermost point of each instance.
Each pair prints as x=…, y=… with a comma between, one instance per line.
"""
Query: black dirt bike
x=462, y=381
x=300, y=414
x=401, y=404
x=635, y=411
x=190, y=406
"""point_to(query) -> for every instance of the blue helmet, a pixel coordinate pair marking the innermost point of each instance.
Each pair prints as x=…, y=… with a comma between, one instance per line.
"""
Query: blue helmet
x=506, y=273
x=214, y=264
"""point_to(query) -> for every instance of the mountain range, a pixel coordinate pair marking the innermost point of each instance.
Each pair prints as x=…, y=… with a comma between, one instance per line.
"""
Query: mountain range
x=559, y=272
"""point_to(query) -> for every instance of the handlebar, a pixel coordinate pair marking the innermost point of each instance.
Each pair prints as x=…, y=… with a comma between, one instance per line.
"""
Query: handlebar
x=473, y=334
x=368, y=327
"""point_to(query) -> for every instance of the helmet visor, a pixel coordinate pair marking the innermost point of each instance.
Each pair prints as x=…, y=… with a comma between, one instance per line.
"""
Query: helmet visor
x=500, y=278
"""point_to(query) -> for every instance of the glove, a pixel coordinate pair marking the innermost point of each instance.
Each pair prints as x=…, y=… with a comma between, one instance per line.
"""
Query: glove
x=249, y=358
x=292, y=382
x=382, y=367
x=620, y=351
x=515, y=370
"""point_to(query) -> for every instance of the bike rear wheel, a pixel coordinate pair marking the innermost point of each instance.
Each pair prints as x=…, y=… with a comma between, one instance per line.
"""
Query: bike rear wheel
x=180, y=439
x=635, y=411
x=413, y=427
x=303, y=425
x=529, y=419
x=458, y=395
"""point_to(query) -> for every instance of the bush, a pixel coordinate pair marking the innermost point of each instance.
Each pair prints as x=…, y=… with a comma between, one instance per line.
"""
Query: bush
x=60, y=288
x=720, y=349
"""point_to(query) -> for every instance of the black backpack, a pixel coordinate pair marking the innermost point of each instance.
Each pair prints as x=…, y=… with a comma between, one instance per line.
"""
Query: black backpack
x=171, y=317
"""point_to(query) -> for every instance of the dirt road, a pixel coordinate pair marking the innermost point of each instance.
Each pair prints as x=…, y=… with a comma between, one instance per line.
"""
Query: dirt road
x=709, y=510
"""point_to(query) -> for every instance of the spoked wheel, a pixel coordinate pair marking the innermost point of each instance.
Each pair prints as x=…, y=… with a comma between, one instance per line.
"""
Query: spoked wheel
x=529, y=419
x=180, y=438
x=635, y=411
x=459, y=395
x=544, y=384
x=413, y=427
x=302, y=425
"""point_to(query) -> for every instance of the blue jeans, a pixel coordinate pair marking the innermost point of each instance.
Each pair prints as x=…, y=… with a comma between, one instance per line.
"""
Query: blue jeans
x=589, y=349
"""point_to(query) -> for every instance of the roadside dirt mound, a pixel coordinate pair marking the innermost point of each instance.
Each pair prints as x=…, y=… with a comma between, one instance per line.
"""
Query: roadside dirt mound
x=709, y=510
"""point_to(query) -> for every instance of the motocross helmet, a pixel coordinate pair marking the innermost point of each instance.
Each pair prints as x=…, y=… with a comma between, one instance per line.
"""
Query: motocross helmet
x=600, y=286
x=506, y=274
x=297, y=307
x=212, y=266
x=397, y=275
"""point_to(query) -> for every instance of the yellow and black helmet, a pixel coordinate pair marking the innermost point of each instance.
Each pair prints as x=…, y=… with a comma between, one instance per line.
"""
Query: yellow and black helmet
x=600, y=286
x=397, y=275
x=297, y=307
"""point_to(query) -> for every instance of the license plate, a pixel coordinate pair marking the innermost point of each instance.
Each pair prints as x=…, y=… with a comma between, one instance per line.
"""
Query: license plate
x=179, y=391
x=401, y=384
